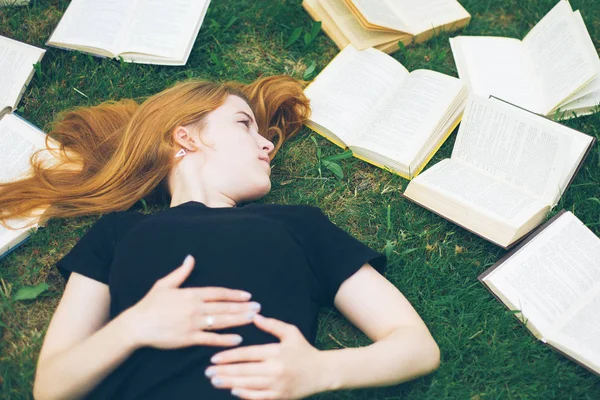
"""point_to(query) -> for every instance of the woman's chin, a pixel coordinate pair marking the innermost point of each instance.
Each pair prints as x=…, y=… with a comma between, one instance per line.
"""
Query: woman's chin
x=266, y=188
x=260, y=190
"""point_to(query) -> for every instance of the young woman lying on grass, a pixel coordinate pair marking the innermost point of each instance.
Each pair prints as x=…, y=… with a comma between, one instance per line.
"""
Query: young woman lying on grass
x=238, y=317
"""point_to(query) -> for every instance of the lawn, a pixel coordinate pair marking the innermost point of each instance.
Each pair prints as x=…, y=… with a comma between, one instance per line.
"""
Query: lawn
x=486, y=352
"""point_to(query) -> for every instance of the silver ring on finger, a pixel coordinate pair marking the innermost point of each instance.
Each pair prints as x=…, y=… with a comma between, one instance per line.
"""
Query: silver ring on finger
x=209, y=321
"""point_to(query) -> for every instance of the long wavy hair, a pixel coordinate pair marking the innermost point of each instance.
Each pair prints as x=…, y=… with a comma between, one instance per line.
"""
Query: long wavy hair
x=114, y=154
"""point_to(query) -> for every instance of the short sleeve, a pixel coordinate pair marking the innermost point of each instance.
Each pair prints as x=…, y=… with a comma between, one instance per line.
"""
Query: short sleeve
x=332, y=253
x=92, y=255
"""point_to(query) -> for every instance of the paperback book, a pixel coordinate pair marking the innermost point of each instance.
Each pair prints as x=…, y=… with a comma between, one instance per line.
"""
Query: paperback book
x=144, y=32
x=395, y=119
x=553, y=71
x=383, y=24
x=19, y=140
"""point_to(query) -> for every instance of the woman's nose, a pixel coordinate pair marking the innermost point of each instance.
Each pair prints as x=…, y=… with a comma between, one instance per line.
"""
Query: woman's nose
x=268, y=146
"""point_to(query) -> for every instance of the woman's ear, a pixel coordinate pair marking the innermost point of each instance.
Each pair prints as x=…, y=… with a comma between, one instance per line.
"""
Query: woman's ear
x=184, y=137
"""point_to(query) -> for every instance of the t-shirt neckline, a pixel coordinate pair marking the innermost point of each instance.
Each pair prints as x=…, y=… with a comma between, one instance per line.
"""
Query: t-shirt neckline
x=198, y=204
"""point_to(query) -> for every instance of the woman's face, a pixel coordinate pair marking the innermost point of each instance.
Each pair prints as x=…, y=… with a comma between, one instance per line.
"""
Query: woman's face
x=233, y=157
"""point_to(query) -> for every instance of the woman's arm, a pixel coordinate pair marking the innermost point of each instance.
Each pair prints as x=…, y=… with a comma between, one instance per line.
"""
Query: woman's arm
x=81, y=348
x=403, y=348
x=294, y=369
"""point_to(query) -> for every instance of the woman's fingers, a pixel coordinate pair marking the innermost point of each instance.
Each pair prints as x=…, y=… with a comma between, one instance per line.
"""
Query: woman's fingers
x=247, y=353
x=215, y=308
x=246, y=382
x=210, y=293
x=215, y=339
x=177, y=276
x=222, y=321
x=241, y=369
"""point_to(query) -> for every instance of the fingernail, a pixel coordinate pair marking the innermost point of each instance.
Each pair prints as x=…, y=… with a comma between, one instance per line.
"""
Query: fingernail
x=250, y=316
x=236, y=340
x=215, y=359
x=188, y=259
x=235, y=392
x=216, y=381
x=245, y=295
x=209, y=373
x=255, y=306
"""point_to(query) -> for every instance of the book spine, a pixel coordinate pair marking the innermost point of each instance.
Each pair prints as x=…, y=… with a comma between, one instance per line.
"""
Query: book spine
x=9, y=249
x=81, y=51
x=435, y=150
x=5, y=110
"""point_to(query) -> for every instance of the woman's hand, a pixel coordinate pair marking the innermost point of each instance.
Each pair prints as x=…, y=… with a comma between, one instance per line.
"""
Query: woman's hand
x=286, y=370
x=170, y=317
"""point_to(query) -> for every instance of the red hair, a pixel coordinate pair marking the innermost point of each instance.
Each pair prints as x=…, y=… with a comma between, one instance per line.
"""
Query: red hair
x=122, y=151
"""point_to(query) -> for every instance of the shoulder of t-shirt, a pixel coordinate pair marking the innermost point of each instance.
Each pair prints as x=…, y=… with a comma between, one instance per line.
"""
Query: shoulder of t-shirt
x=300, y=220
x=294, y=212
x=120, y=222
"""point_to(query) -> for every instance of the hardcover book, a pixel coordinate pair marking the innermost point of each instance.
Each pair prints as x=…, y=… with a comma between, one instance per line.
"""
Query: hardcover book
x=508, y=168
x=551, y=281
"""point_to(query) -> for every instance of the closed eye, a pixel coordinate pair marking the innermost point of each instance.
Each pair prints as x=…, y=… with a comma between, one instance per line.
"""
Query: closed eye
x=246, y=122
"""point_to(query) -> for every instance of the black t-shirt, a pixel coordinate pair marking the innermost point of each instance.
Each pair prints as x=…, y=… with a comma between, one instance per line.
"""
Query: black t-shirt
x=291, y=258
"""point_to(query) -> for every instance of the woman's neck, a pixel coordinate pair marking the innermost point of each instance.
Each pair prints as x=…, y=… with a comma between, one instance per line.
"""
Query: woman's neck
x=188, y=186
x=183, y=193
x=214, y=201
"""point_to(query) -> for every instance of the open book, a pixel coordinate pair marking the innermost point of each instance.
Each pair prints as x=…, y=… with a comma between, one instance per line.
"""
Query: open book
x=341, y=25
x=16, y=70
x=422, y=19
x=554, y=70
x=552, y=282
x=395, y=119
x=18, y=141
x=508, y=168
x=348, y=21
x=147, y=32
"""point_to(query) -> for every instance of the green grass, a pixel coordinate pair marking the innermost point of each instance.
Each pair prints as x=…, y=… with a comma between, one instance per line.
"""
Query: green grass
x=486, y=352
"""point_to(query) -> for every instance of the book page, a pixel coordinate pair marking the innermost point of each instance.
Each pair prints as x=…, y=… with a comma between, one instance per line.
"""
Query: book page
x=163, y=28
x=573, y=154
x=382, y=14
x=409, y=116
x=559, y=55
x=594, y=84
x=578, y=334
x=94, y=23
x=519, y=148
x=18, y=141
x=479, y=192
x=16, y=68
x=328, y=25
x=424, y=15
x=498, y=67
x=551, y=274
x=589, y=101
x=360, y=37
x=345, y=94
